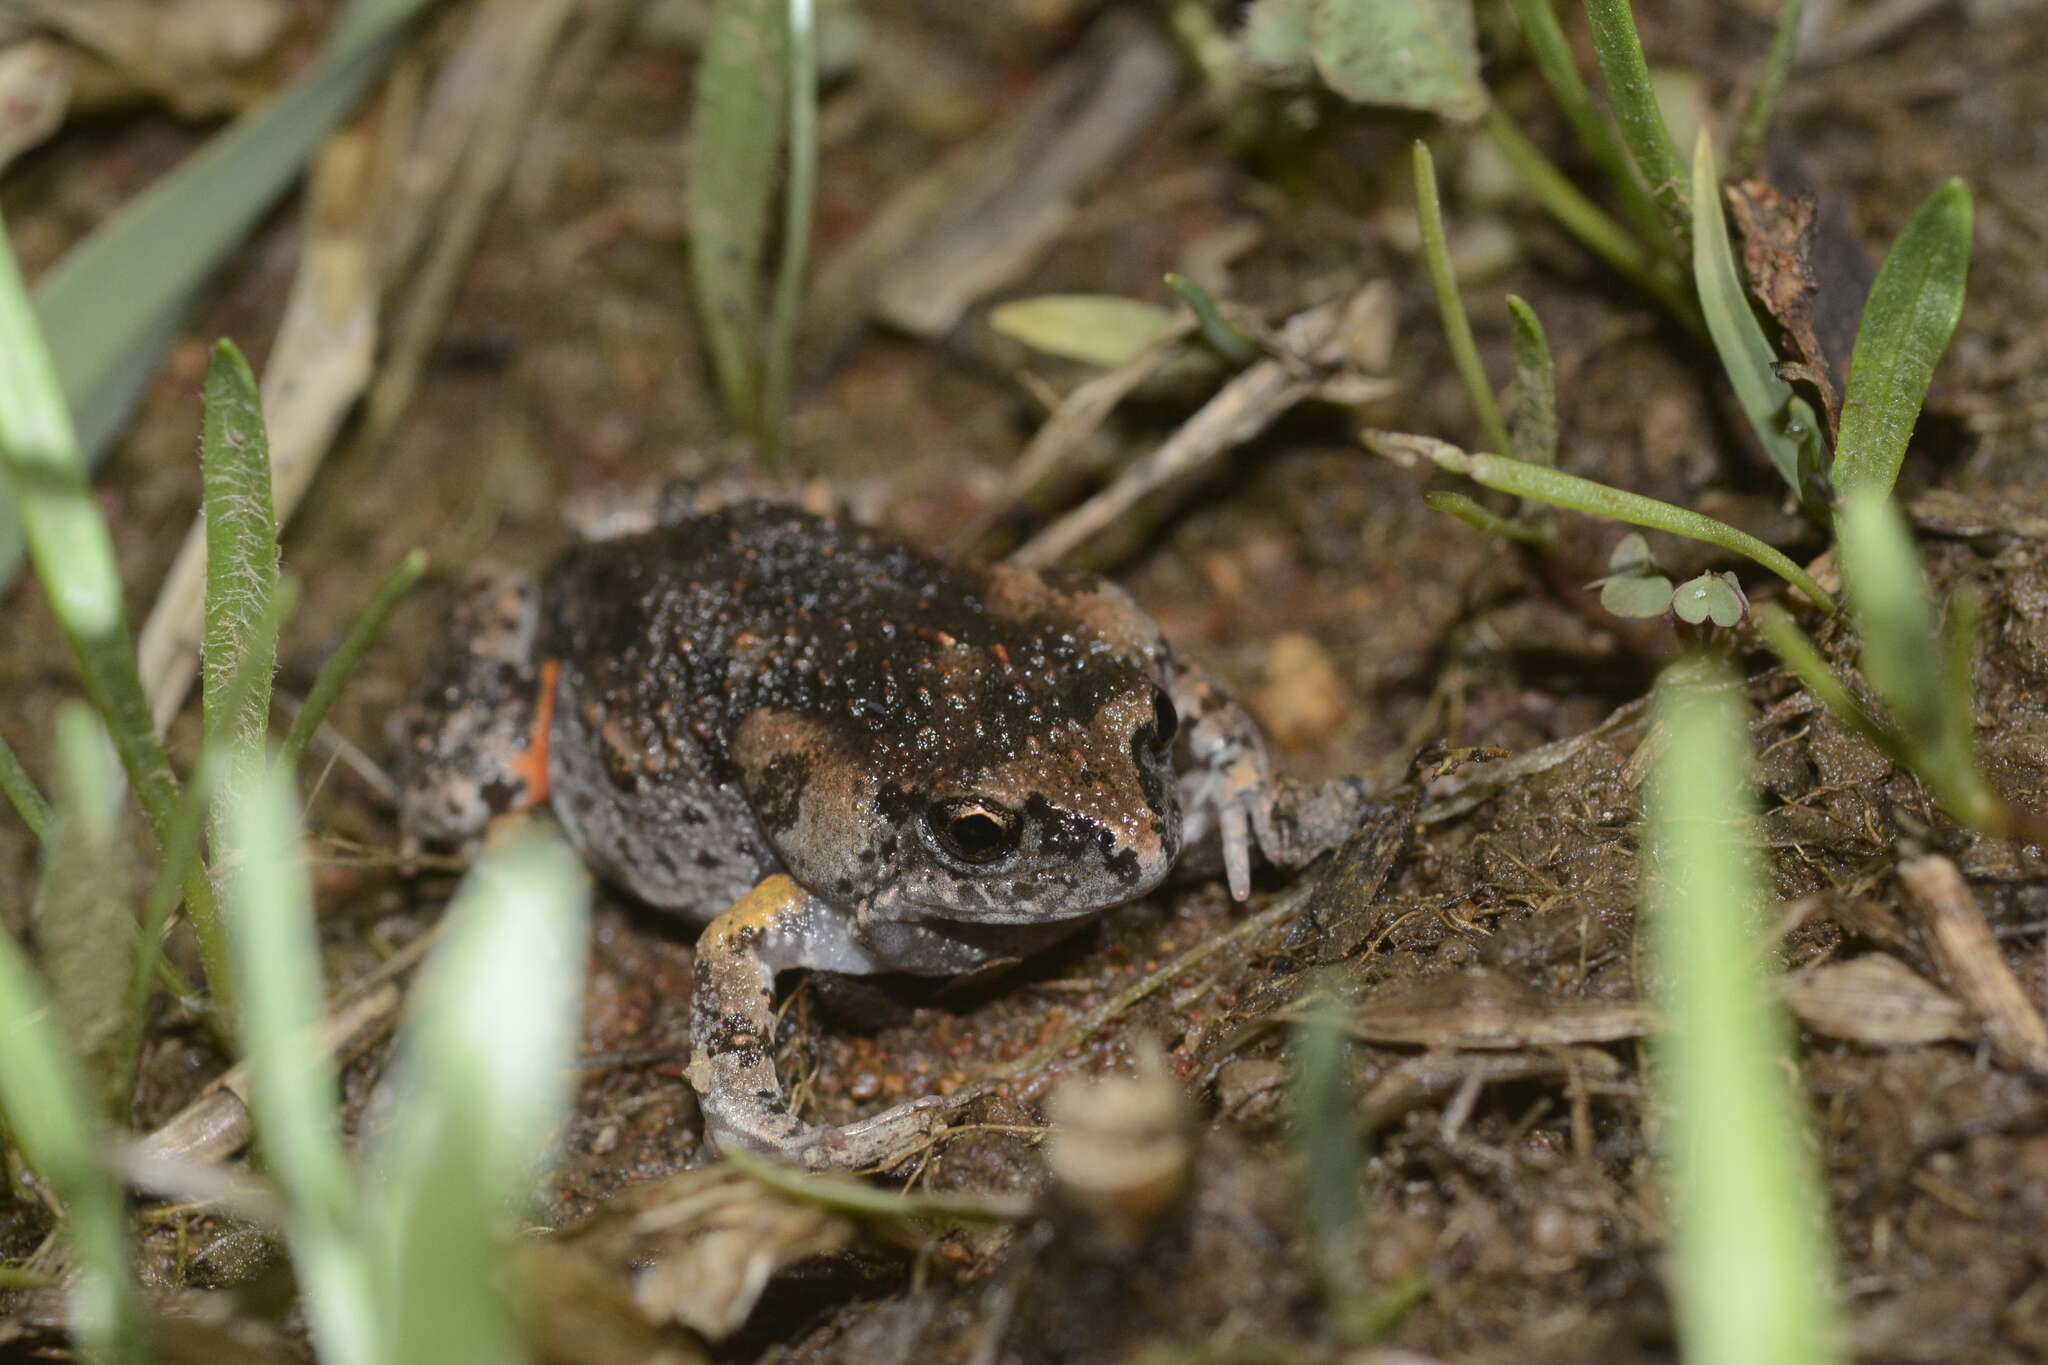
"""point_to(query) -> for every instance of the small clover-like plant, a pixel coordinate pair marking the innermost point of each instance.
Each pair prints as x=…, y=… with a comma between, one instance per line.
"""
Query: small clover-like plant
x=1634, y=587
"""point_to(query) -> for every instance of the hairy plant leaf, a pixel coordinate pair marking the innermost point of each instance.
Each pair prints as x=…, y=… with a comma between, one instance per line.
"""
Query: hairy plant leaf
x=1907, y=322
x=84, y=919
x=241, y=558
x=1532, y=430
x=1407, y=54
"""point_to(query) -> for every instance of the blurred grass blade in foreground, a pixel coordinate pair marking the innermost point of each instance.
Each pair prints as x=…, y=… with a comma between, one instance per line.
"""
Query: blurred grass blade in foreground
x=483, y=1085
x=269, y=898
x=113, y=303
x=1753, y=1270
x=49, y=1118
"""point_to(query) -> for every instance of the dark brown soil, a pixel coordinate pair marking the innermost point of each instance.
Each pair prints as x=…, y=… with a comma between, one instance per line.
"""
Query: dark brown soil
x=1517, y=1183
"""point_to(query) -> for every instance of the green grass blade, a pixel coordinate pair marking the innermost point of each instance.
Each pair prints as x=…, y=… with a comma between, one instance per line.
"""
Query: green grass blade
x=1553, y=57
x=483, y=1084
x=1746, y=356
x=1584, y=219
x=736, y=128
x=1532, y=432
x=21, y=792
x=1755, y=124
x=800, y=192
x=292, y=1093
x=69, y=542
x=1782, y=634
x=1753, y=1270
x=1482, y=520
x=241, y=560
x=84, y=917
x=49, y=1119
x=1906, y=659
x=335, y=673
x=1457, y=327
x=109, y=306
x=1627, y=77
x=1559, y=489
x=1911, y=314
x=1223, y=338
x=1332, y=1152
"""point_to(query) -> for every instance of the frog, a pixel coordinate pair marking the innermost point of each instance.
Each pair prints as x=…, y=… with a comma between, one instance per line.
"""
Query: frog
x=837, y=751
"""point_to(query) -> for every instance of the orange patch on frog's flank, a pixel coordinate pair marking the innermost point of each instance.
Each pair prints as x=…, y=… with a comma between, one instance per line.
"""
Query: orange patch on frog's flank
x=531, y=767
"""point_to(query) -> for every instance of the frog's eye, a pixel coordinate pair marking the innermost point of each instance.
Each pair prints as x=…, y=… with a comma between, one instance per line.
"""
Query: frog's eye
x=1165, y=720
x=972, y=831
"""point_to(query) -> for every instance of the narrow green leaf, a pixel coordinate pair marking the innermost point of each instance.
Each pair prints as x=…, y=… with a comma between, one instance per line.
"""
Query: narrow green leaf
x=1906, y=659
x=292, y=1094
x=1436, y=253
x=1484, y=520
x=1532, y=431
x=1755, y=124
x=1657, y=276
x=1223, y=338
x=49, y=1119
x=341, y=665
x=1747, y=1210
x=482, y=1087
x=1911, y=314
x=70, y=545
x=113, y=304
x=241, y=557
x=21, y=792
x=1332, y=1147
x=1553, y=57
x=1746, y=356
x=83, y=915
x=779, y=351
x=736, y=127
x=1560, y=489
x=1406, y=54
x=1096, y=329
x=1634, y=100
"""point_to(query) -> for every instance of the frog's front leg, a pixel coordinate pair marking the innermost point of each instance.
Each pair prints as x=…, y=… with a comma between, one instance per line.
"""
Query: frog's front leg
x=1231, y=782
x=473, y=741
x=776, y=926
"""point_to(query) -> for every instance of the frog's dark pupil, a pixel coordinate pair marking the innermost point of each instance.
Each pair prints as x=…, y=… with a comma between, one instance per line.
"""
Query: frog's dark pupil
x=1165, y=720
x=974, y=832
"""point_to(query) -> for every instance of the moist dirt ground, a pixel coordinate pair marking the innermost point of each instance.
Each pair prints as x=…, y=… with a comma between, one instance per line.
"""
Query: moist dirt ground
x=1487, y=944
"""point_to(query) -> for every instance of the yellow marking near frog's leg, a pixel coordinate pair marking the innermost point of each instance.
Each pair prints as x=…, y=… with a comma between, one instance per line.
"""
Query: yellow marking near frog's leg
x=732, y=1018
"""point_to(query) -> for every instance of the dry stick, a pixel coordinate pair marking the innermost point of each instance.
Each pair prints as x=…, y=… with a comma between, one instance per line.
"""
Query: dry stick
x=533, y=27
x=1313, y=342
x=1969, y=954
x=1071, y=424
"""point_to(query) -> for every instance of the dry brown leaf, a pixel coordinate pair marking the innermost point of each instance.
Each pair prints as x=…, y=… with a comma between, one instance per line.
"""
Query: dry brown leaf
x=1876, y=1000
x=696, y=1249
x=1777, y=247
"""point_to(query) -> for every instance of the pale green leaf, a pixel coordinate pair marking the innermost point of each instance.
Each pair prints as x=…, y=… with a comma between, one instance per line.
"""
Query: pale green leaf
x=1406, y=54
x=1636, y=595
x=1096, y=329
x=1706, y=598
x=1277, y=40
